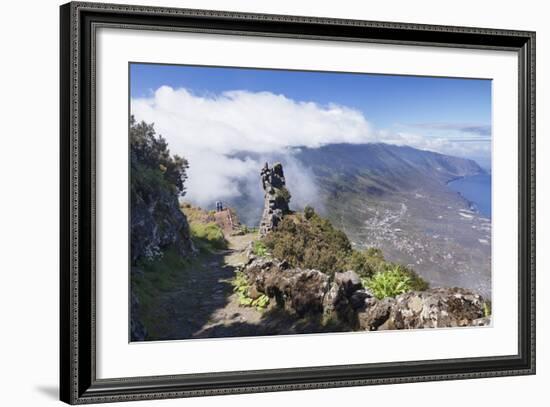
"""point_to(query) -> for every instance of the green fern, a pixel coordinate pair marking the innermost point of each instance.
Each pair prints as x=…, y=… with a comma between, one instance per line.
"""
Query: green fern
x=394, y=281
x=259, y=248
x=241, y=287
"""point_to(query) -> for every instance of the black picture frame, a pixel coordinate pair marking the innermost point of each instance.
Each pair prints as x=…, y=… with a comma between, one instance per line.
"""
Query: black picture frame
x=78, y=382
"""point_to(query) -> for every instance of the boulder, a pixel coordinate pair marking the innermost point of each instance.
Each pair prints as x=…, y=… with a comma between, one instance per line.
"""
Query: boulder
x=308, y=288
x=295, y=289
x=349, y=282
x=358, y=299
x=375, y=314
x=436, y=308
x=433, y=308
x=308, y=291
x=345, y=297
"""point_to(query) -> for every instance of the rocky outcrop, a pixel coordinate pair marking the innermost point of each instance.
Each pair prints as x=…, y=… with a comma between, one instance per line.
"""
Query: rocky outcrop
x=375, y=313
x=296, y=290
x=276, y=197
x=433, y=308
x=157, y=223
x=344, y=299
x=306, y=291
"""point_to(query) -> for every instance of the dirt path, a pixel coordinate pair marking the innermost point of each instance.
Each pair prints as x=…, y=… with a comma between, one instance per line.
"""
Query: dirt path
x=203, y=302
x=231, y=316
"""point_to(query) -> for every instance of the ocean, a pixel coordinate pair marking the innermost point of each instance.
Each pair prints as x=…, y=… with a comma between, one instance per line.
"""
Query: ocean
x=477, y=190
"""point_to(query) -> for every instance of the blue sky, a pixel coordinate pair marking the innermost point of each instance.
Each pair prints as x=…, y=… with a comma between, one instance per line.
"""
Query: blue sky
x=386, y=100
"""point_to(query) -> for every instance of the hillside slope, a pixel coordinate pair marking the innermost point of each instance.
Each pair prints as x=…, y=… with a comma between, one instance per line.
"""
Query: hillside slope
x=397, y=199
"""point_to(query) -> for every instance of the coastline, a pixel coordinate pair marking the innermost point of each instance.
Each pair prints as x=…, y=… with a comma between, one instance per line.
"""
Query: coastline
x=472, y=205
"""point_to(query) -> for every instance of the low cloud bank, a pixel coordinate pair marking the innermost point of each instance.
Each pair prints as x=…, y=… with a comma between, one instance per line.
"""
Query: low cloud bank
x=228, y=137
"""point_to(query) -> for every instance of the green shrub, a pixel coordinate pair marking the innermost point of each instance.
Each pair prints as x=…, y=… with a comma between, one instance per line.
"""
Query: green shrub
x=393, y=281
x=151, y=162
x=366, y=263
x=259, y=249
x=309, y=243
x=208, y=235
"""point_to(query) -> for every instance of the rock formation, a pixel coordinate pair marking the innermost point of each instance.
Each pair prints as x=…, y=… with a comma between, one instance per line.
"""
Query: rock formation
x=342, y=298
x=276, y=197
x=157, y=223
x=433, y=308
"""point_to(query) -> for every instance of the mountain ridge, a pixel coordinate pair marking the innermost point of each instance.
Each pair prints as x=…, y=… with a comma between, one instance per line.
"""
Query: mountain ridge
x=389, y=161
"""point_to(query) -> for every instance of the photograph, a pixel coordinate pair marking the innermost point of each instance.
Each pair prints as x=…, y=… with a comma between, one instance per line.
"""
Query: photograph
x=276, y=202
x=267, y=201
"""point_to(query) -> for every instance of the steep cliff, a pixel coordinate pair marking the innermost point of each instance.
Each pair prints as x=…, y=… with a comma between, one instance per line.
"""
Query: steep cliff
x=156, y=224
x=157, y=179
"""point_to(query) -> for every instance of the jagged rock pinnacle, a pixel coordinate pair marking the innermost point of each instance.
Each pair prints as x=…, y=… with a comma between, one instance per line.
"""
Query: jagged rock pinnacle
x=276, y=197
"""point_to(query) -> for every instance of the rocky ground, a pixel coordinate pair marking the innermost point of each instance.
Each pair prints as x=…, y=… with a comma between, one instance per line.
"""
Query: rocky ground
x=343, y=303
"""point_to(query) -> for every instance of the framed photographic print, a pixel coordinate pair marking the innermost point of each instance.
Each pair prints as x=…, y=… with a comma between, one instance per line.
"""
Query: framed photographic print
x=257, y=203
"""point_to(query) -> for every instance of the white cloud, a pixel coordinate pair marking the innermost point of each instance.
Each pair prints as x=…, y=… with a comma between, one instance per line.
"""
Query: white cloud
x=460, y=147
x=244, y=121
x=208, y=130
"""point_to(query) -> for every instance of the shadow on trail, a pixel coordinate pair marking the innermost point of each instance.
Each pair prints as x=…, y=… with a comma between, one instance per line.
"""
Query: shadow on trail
x=275, y=321
x=205, y=288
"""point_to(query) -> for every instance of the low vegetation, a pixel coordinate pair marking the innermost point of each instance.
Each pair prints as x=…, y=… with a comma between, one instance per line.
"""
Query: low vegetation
x=155, y=277
x=487, y=311
x=366, y=262
x=153, y=167
x=206, y=234
x=307, y=240
x=393, y=281
x=259, y=248
x=309, y=243
x=242, y=287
